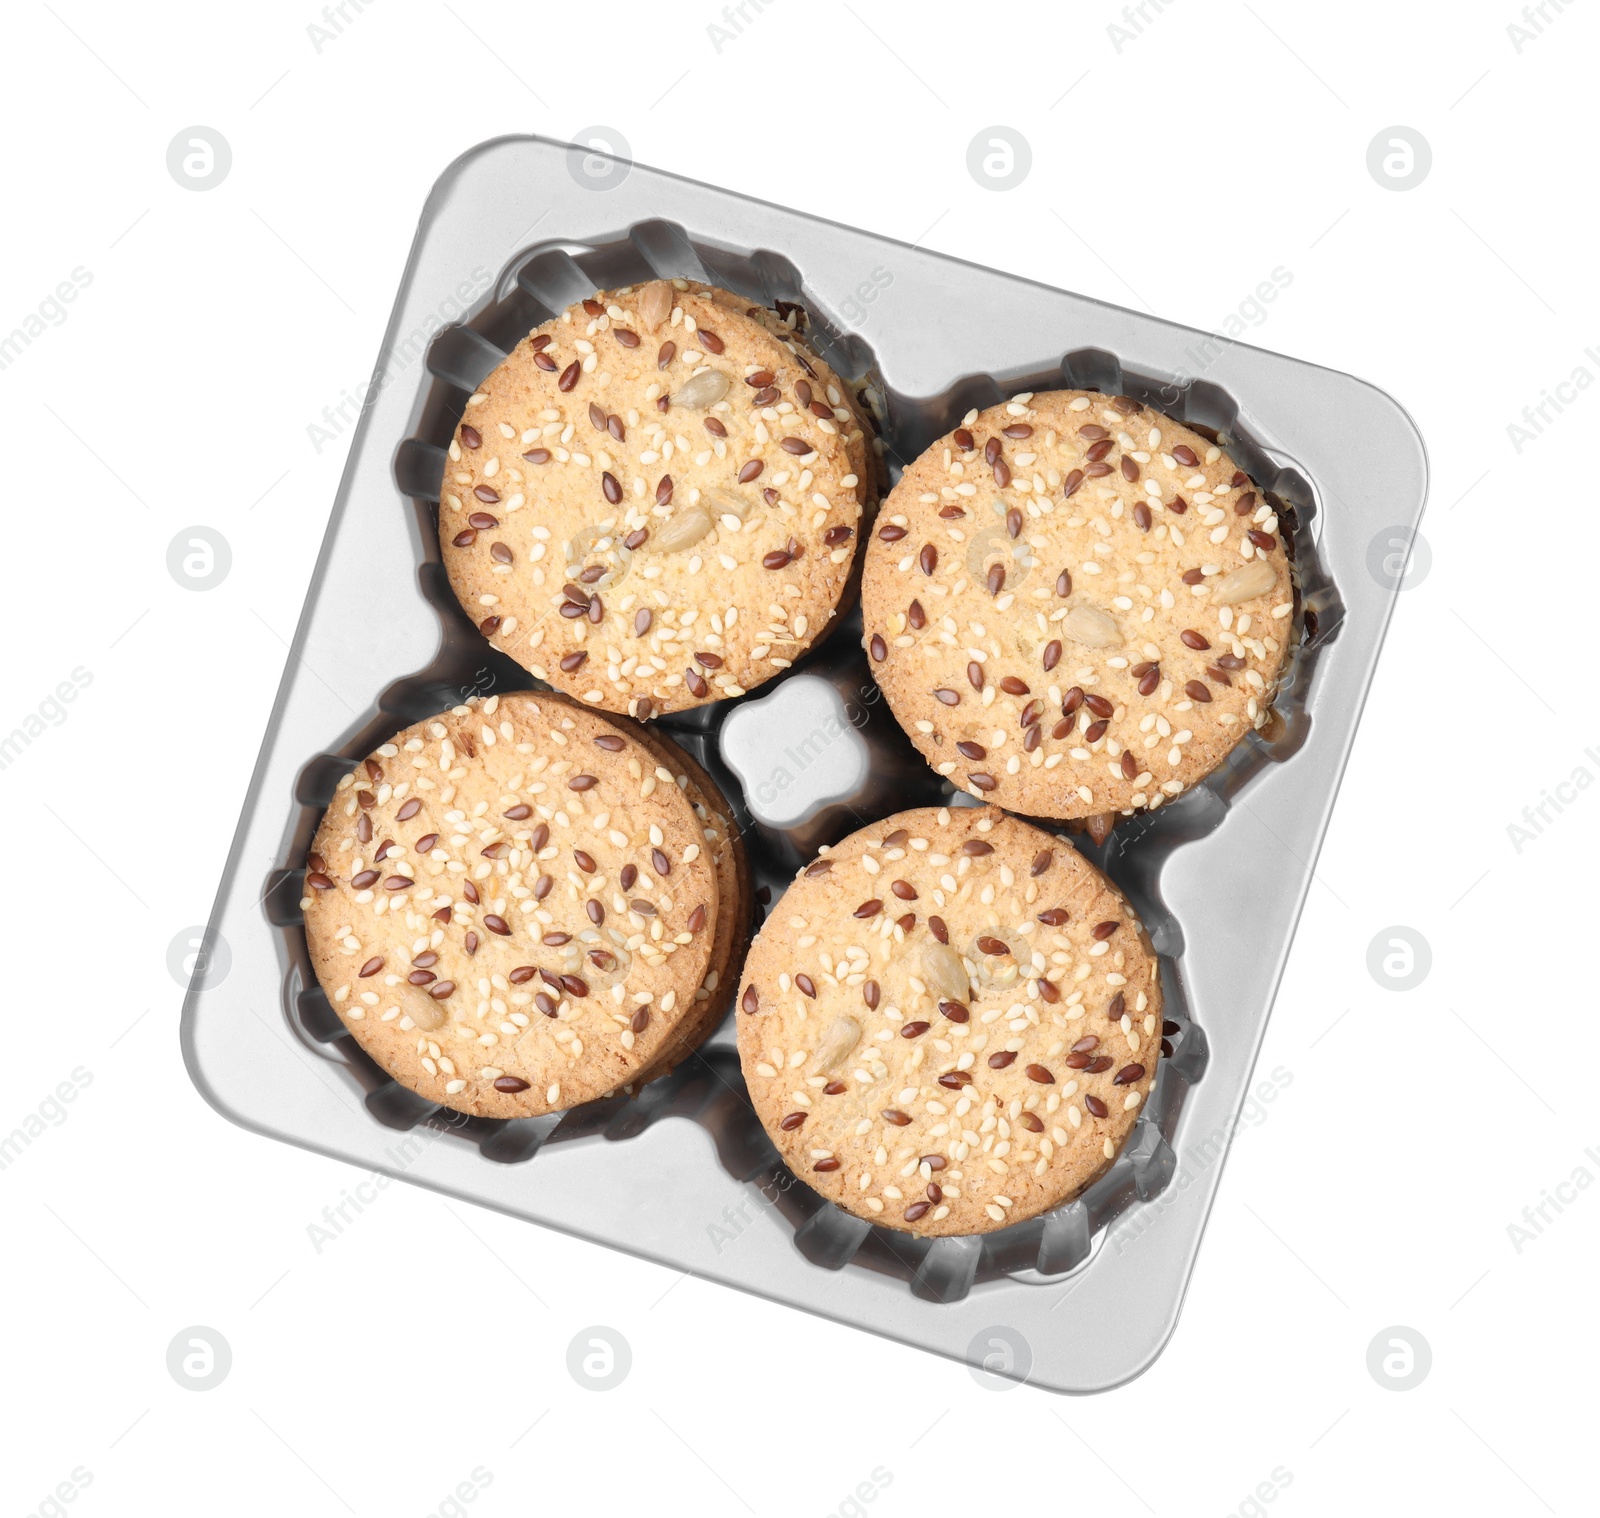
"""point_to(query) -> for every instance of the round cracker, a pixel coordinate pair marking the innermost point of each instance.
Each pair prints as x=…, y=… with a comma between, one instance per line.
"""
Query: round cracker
x=633, y=556
x=912, y=1104
x=547, y=1007
x=1075, y=605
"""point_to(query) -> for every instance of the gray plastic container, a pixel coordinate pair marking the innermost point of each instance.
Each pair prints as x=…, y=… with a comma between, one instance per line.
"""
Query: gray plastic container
x=1076, y=1301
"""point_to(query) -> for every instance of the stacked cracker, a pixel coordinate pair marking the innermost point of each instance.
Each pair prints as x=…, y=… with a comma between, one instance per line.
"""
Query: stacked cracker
x=654, y=501
x=1076, y=606
x=519, y=906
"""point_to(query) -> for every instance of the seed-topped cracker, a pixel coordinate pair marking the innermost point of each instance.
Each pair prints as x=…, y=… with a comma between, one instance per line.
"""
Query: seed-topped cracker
x=949, y=1022
x=653, y=502
x=1075, y=605
x=735, y=898
x=512, y=906
x=829, y=394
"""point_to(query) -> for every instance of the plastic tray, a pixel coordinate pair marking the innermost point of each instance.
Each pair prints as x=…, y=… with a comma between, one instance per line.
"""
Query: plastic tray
x=1079, y=1300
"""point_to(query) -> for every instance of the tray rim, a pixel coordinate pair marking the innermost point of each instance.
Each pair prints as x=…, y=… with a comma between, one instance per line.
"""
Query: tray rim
x=362, y=461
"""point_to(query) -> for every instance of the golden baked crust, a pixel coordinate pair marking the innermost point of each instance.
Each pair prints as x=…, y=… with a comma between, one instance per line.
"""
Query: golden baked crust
x=735, y=902
x=643, y=508
x=511, y=906
x=949, y=1022
x=1075, y=605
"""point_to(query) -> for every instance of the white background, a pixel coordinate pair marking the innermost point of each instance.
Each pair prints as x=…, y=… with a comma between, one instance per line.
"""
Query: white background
x=1172, y=171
